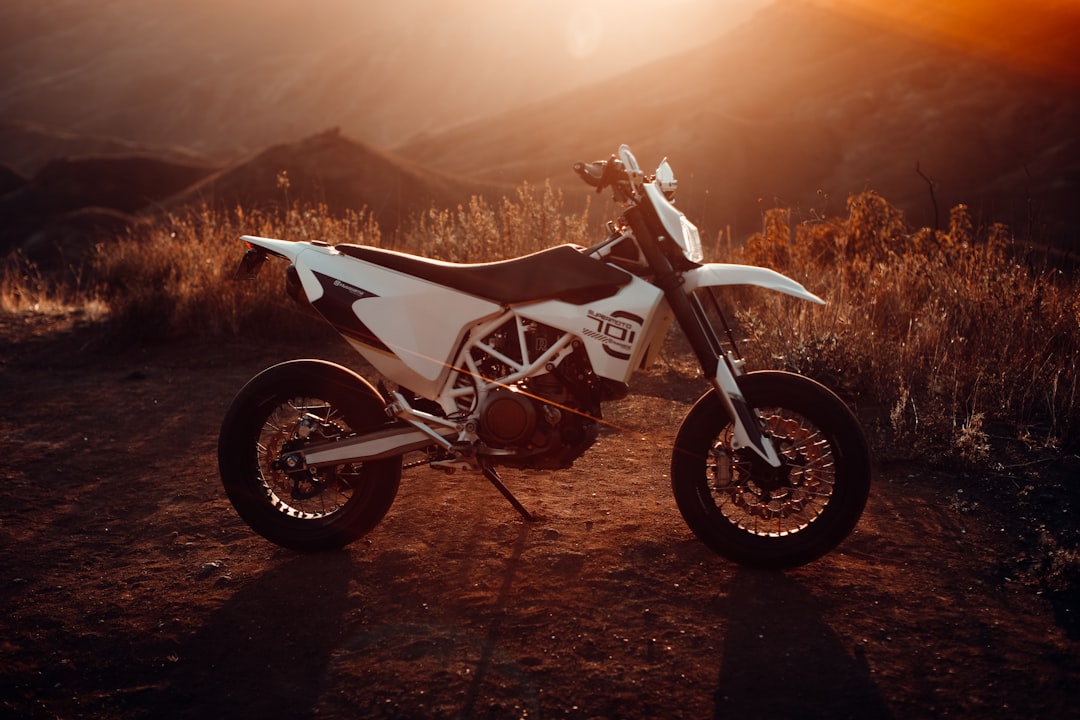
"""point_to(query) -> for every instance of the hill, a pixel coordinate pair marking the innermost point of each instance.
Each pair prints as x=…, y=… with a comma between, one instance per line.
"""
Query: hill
x=804, y=105
x=799, y=107
x=229, y=77
x=27, y=147
x=336, y=171
x=71, y=202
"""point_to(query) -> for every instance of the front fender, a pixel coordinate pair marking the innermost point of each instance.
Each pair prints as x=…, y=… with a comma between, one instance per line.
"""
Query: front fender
x=718, y=274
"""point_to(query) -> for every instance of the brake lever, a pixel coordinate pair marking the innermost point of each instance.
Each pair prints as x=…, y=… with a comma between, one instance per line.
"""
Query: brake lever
x=592, y=173
x=600, y=173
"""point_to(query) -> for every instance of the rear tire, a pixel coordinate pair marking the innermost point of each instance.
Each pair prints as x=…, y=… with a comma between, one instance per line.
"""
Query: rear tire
x=280, y=410
x=759, y=516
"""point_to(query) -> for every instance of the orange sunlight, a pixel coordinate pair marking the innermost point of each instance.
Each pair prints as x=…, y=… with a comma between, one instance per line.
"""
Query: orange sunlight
x=1037, y=36
x=653, y=27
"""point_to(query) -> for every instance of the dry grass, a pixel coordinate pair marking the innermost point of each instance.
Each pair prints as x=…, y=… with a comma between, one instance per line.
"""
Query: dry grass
x=175, y=279
x=943, y=329
x=24, y=289
x=531, y=220
x=953, y=347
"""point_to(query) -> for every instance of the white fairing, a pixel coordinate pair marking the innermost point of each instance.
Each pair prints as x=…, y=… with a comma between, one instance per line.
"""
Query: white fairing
x=679, y=228
x=420, y=322
x=684, y=232
x=616, y=331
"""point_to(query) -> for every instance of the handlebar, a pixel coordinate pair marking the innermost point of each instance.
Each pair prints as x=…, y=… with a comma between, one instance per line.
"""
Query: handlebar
x=601, y=173
x=620, y=172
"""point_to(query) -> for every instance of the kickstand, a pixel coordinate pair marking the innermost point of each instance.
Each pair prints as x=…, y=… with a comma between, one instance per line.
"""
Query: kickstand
x=493, y=476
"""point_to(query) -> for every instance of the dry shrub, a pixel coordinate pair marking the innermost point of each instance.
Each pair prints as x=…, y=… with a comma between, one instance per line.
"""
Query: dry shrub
x=178, y=279
x=941, y=329
x=529, y=221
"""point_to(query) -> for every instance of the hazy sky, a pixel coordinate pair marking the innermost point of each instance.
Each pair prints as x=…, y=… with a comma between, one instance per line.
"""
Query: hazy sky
x=148, y=70
x=650, y=26
x=226, y=73
x=1009, y=31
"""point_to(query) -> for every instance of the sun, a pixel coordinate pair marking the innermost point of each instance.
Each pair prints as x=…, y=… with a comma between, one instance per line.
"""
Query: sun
x=595, y=26
x=584, y=31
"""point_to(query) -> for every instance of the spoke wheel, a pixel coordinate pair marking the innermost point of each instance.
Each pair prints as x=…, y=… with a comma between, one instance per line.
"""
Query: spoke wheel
x=767, y=501
x=274, y=417
x=763, y=516
x=303, y=492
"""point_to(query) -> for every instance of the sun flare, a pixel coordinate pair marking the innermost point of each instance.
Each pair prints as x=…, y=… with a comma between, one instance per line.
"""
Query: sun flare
x=1038, y=36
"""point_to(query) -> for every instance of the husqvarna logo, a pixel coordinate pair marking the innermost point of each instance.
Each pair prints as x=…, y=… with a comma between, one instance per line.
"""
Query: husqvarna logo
x=352, y=289
x=617, y=331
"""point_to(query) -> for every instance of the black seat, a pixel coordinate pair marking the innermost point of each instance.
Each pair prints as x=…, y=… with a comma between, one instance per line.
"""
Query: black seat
x=558, y=273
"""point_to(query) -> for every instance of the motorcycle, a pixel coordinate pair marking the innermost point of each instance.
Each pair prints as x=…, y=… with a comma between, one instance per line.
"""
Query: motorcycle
x=507, y=364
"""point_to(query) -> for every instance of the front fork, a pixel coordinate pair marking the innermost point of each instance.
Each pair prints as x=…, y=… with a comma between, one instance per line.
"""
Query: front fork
x=722, y=369
x=747, y=432
x=718, y=365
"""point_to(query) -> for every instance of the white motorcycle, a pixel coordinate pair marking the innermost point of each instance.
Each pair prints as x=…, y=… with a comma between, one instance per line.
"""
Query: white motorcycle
x=507, y=364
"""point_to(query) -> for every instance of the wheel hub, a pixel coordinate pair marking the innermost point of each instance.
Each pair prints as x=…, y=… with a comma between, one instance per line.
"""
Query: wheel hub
x=767, y=477
x=752, y=491
x=306, y=482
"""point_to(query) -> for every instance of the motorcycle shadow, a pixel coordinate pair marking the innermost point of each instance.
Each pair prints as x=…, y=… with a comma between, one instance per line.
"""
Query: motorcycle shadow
x=780, y=659
x=265, y=652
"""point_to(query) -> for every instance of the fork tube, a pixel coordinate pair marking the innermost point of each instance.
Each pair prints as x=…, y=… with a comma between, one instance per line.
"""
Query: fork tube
x=648, y=231
x=699, y=332
x=703, y=318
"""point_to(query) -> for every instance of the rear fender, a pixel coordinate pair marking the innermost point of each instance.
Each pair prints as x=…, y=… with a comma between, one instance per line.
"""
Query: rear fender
x=287, y=249
x=296, y=281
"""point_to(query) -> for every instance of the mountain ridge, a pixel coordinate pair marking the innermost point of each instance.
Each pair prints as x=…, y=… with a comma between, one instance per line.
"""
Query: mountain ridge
x=798, y=107
x=843, y=110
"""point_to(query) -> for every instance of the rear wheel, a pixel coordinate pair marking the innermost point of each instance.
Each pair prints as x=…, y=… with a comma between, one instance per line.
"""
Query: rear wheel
x=279, y=412
x=767, y=517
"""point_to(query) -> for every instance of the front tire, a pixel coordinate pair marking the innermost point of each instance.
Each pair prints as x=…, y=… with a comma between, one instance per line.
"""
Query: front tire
x=279, y=411
x=760, y=516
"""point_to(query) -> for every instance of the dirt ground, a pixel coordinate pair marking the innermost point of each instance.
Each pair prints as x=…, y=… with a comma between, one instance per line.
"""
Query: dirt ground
x=130, y=589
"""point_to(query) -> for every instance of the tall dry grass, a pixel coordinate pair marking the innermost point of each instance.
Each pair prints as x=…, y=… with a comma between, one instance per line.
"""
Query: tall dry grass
x=944, y=330
x=176, y=279
x=25, y=289
x=532, y=219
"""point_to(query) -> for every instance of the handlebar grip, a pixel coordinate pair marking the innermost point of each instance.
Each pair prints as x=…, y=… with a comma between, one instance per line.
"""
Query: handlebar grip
x=600, y=173
x=592, y=173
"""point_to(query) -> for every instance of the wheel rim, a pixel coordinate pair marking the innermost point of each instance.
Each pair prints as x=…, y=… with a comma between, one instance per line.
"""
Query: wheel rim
x=305, y=493
x=773, y=502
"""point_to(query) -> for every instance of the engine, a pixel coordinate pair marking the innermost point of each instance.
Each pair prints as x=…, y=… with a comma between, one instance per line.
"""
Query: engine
x=541, y=421
x=545, y=421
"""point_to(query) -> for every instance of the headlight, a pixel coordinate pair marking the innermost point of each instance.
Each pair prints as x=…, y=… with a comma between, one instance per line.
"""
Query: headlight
x=684, y=232
x=691, y=243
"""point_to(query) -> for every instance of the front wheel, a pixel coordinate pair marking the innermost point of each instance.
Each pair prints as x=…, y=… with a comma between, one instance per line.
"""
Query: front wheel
x=766, y=517
x=279, y=412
